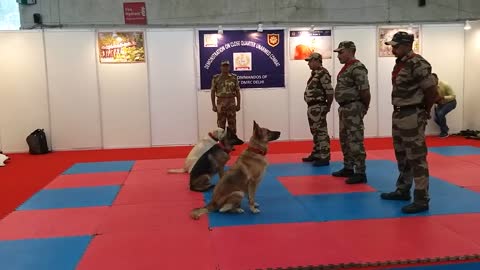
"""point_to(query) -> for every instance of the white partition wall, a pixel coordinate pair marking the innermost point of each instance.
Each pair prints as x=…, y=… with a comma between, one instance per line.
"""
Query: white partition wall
x=173, y=98
x=298, y=73
x=124, y=101
x=364, y=38
x=443, y=47
x=23, y=88
x=52, y=79
x=74, y=97
x=472, y=79
x=269, y=107
x=384, y=93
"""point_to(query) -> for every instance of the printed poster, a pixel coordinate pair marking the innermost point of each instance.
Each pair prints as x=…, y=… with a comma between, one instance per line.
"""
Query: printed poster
x=386, y=34
x=305, y=42
x=121, y=47
x=257, y=58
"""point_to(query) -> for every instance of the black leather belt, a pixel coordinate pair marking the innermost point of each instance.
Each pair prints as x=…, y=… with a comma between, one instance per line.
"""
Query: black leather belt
x=347, y=102
x=408, y=107
x=316, y=102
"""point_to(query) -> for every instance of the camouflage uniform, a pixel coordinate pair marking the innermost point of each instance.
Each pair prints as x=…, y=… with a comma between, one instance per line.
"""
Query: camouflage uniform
x=352, y=79
x=411, y=79
x=226, y=88
x=318, y=87
x=411, y=75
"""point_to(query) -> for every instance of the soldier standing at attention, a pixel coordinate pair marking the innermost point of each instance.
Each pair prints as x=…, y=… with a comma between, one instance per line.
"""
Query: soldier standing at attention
x=225, y=89
x=318, y=96
x=352, y=93
x=413, y=95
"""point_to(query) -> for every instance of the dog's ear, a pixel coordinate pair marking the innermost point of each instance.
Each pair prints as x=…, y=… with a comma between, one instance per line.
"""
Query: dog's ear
x=255, y=126
x=257, y=130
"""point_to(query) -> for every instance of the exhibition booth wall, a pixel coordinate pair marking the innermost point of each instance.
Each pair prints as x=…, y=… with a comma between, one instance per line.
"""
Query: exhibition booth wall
x=53, y=79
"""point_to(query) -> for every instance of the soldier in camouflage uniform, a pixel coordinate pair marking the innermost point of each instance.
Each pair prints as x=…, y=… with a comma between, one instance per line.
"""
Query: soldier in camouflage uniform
x=352, y=93
x=413, y=95
x=225, y=89
x=318, y=96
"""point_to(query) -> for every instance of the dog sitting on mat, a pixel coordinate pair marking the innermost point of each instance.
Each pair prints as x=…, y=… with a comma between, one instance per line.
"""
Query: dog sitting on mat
x=243, y=177
x=212, y=162
x=3, y=159
x=199, y=149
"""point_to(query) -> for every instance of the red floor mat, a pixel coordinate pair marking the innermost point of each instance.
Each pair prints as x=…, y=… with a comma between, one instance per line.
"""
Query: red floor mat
x=88, y=180
x=150, y=250
x=51, y=223
x=302, y=244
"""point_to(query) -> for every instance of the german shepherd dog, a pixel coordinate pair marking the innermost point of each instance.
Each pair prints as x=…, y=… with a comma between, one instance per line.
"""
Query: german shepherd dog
x=243, y=177
x=212, y=162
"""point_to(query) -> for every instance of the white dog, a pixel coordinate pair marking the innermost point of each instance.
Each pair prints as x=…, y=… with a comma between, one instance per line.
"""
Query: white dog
x=3, y=158
x=199, y=149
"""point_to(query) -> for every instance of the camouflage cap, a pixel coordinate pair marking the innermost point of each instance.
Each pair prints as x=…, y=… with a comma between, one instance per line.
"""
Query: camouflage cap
x=225, y=62
x=314, y=56
x=345, y=45
x=400, y=37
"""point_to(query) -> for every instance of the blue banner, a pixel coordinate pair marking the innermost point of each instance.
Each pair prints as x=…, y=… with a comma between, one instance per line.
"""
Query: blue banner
x=257, y=58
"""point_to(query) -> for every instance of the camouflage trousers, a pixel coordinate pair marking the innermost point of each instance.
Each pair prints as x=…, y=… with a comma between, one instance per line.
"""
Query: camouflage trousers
x=226, y=112
x=408, y=131
x=317, y=119
x=352, y=135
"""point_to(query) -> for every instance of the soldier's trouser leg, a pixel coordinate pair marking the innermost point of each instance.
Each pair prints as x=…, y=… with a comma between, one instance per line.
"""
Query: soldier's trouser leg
x=231, y=119
x=408, y=130
x=317, y=119
x=352, y=136
x=221, y=119
x=225, y=109
x=347, y=159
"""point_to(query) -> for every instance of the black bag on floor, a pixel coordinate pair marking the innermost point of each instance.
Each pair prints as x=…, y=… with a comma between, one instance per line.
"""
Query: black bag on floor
x=37, y=142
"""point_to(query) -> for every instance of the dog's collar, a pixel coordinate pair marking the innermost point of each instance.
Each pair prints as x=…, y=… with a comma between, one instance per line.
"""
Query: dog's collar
x=262, y=152
x=212, y=136
x=221, y=145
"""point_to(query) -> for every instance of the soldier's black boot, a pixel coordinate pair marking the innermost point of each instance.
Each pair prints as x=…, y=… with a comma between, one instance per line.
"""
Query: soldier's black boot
x=357, y=178
x=420, y=203
x=310, y=158
x=343, y=173
x=398, y=195
x=321, y=162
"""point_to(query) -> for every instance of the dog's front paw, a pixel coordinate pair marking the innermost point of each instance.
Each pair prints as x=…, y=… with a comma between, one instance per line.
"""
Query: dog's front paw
x=254, y=210
x=238, y=211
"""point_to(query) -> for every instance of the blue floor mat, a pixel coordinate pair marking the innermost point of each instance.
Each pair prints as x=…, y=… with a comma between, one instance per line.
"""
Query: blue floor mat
x=62, y=253
x=455, y=150
x=457, y=266
x=97, y=167
x=280, y=206
x=71, y=198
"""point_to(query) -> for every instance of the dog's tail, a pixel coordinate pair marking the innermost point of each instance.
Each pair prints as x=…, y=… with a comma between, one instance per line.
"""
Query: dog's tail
x=197, y=212
x=179, y=170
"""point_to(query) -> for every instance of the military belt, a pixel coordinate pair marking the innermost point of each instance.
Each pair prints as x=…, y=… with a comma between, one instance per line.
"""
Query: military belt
x=408, y=107
x=227, y=97
x=347, y=102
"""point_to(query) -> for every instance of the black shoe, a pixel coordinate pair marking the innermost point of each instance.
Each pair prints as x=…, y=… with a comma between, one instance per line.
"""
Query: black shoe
x=420, y=202
x=343, y=173
x=320, y=163
x=357, y=178
x=398, y=195
x=415, y=207
x=309, y=159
